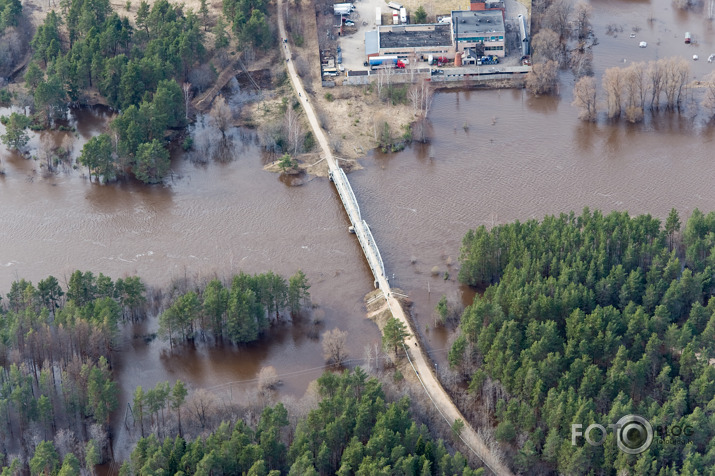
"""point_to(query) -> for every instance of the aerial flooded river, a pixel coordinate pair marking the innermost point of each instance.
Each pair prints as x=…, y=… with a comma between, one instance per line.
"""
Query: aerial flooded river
x=495, y=156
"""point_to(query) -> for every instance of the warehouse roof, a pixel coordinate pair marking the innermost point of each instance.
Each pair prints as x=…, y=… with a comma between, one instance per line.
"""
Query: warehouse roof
x=412, y=36
x=371, y=43
x=469, y=23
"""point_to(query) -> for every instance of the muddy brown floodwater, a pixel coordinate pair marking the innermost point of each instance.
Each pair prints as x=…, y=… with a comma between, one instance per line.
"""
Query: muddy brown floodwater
x=496, y=156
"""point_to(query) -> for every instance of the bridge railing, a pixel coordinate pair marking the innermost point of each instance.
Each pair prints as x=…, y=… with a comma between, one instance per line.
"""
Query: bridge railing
x=360, y=227
x=344, y=188
x=373, y=245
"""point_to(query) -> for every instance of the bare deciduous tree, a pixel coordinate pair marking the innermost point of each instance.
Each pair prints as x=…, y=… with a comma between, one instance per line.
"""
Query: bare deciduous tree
x=613, y=87
x=267, y=378
x=582, y=20
x=675, y=79
x=206, y=137
x=379, y=82
x=546, y=46
x=581, y=61
x=221, y=115
x=421, y=95
x=584, y=93
x=709, y=97
x=640, y=76
x=542, y=78
x=334, y=346
x=65, y=442
x=202, y=77
x=202, y=406
x=11, y=50
x=635, y=87
x=389, y=73
x=293, y=130
x=656, y=74
x=558, y=16
x=415, y=96
x=186, y=87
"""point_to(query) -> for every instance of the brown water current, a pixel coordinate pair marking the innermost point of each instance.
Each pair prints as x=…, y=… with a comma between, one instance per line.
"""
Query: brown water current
x=495, y=157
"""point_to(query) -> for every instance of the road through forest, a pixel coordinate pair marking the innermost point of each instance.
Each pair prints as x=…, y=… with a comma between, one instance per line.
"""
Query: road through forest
x=423, y=367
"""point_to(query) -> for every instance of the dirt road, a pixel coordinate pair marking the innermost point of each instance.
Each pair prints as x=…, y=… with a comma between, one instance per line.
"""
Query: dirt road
x=422, y=366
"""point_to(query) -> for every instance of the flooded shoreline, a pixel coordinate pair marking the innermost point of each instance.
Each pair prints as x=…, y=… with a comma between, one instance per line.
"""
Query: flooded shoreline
x=495, y=156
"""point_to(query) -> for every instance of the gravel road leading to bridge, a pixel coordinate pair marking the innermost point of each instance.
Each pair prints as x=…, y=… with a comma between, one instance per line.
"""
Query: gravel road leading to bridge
x=422, y=365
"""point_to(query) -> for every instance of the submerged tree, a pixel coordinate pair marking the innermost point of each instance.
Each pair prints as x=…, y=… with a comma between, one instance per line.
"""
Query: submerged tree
x=584, y=93
x=97, y=157
x=152, y=162
x=334, y=346
x=542, y=78
x=15, y=136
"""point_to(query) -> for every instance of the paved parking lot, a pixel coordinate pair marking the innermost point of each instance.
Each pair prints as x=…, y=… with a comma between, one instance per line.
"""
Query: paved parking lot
x=353, y=44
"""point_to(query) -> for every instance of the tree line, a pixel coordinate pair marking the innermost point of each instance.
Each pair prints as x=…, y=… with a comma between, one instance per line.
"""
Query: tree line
x=56, y=357
x=353, y=430
x=239, y=313
x=586, y=319
x=249, y=20
x=10, y=12
x=87, y=49
x=631, y=91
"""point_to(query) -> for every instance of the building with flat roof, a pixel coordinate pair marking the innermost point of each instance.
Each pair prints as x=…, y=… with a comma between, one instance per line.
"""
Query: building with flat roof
x=416, y=40
x=372, y=43
x=481, y=30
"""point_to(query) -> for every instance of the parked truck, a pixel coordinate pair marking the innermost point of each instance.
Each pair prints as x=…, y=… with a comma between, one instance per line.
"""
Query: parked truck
x=380, y=60
x=403, y=15
x=394, y=5
x=388, y=62
x=395, y=18
x=343, y=8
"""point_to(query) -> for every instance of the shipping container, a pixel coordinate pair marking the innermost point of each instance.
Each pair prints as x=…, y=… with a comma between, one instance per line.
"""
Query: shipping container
x=378, y=16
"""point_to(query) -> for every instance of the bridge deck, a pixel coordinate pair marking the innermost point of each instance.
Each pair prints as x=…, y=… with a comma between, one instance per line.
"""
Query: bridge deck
x=361, y=228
